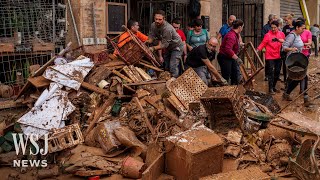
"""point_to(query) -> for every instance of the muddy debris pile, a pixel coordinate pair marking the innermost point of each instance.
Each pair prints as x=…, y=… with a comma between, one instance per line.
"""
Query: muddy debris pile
x=129, y=119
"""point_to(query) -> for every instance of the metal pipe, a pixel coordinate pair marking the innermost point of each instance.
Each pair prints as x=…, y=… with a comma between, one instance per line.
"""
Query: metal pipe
x=74, y=23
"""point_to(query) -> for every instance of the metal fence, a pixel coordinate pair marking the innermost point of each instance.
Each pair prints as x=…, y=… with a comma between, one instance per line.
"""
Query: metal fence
x=251, y=12
x=31, y=31
x=173, y=9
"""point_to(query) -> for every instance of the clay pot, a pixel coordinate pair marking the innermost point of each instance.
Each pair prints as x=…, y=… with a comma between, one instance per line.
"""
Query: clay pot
x=132, y=168
x=5, y=91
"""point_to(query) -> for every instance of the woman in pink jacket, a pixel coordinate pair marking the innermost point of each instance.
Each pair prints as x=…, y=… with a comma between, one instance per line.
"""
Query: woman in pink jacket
x=272, y=41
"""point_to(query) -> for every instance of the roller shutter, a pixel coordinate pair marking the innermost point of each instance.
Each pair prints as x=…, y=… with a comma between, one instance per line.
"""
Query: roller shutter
x=290, y=6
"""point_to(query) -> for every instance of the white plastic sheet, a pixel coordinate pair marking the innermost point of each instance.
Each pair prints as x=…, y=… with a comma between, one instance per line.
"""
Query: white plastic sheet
x=71, y=74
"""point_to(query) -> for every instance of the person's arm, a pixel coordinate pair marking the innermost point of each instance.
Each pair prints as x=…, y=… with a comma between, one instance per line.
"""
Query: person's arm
x=288, y=43
x=240, y=40
x=142, y=36
x=184, y=51
x=219, y=36
x=309, y=43
x=212, y=70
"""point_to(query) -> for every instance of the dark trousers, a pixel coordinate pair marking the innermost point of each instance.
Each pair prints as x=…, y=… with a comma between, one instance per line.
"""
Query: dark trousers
x=293, y=84
x=229, y=69
x=315, y=41
x=284, y=68
x=273, y=68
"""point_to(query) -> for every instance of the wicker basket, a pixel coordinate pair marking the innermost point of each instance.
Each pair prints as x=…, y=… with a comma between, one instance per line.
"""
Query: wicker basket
x=223, y=102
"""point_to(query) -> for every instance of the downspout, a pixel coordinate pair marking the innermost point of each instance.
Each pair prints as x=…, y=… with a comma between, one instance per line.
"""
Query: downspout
x=305, y=12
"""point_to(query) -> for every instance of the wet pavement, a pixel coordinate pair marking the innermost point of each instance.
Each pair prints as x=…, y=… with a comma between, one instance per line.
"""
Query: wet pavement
x=311, y=112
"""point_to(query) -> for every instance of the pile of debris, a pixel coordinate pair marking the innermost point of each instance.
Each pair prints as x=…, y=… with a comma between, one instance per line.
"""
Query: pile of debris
x=132, y=119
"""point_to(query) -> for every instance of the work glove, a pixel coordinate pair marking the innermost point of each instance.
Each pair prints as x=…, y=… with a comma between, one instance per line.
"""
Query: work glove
x=239, y=61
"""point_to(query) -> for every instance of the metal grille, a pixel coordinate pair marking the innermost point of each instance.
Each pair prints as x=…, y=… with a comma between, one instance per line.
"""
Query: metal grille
x=173, y=9
x=31, y=31
x=251, y=12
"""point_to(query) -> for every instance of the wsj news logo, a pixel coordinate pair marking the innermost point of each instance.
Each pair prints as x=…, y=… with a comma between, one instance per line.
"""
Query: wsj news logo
x=20, y=144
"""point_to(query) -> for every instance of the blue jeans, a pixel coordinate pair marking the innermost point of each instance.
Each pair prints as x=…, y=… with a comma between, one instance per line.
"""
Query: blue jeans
x=203, y=73
x=172, y=60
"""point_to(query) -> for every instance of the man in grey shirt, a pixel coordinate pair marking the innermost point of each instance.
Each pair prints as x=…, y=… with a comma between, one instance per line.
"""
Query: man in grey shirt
x=169, y=41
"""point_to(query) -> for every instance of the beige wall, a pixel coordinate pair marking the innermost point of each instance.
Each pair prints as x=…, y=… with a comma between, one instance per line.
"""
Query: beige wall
x=313, y=10
x=271, y=7
x=213, y=9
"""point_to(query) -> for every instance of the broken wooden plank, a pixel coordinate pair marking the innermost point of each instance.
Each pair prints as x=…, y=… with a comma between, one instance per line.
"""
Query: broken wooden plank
x=302, y=121
x=176, y=103
x=39, y=81
x=129, y=73
x=155, y=169
x=253, y=67
x=145, y=76
x=98, y=74
x=122, y=76
x=146, y=83
x=146, y=119
x=151, y=67
x=10, y=104
x=94, y=88
x=256, y=54
x=136, y=73
x=97, y=116
x=129, y=88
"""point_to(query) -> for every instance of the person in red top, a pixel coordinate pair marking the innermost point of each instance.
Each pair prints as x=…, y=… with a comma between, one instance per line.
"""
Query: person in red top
x=176, y=23
x=272, y=41
x=227, y=57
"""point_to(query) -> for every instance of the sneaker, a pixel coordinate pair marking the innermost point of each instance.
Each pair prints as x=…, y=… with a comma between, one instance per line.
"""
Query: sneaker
x=286, y=97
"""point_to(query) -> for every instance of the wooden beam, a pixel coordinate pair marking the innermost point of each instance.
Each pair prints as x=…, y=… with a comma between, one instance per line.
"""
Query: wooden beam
x=97, y=116
x=94, y=88
x=151, y=67
x=121, y=76
x=145, y=83
x=131, y=75
x=39, y=81
x=136, y=100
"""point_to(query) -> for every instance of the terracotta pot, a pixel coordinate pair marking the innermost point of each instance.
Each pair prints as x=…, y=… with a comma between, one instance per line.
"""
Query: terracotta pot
x=132, y=168
x=5, y=91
